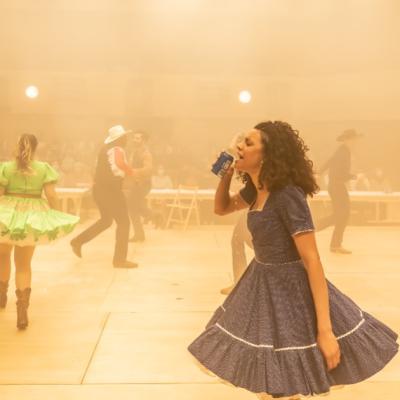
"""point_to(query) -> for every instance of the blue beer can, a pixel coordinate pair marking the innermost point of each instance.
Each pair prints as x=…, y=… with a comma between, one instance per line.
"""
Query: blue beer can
x=221, y=166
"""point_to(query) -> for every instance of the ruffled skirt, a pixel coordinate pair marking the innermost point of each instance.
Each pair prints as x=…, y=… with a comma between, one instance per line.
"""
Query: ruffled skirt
x=263, y=338
x=30, y=221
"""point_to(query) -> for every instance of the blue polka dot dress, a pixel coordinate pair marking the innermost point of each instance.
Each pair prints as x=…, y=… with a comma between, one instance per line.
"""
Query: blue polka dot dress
x=263, y=337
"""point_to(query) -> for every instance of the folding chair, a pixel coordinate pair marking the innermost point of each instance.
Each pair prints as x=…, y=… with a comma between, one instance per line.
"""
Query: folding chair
x=184, y=204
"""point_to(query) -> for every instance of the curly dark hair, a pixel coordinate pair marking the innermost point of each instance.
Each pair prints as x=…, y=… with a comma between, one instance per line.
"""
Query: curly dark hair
x=284, y=158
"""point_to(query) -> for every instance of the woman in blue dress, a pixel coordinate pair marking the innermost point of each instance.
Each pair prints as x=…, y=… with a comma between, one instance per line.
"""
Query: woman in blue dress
x=285, y=331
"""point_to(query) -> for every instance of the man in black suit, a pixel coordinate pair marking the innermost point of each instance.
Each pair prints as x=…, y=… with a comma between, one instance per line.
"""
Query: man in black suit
x=339, y=166
x=111, y=169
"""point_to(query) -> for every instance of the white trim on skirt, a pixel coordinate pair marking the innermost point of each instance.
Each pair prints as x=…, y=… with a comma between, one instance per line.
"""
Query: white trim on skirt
x=270, y=346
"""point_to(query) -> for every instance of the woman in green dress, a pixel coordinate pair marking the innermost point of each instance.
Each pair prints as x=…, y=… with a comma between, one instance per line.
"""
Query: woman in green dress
x=27, y=219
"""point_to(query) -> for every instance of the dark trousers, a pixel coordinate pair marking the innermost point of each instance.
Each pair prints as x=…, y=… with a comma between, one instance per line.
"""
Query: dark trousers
x=340, y=213
x=112, y=207
x=137, y=205
x=240, y=236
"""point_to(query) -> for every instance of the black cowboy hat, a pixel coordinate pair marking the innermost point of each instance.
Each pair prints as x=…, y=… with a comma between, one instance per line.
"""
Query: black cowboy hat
x=349, y=134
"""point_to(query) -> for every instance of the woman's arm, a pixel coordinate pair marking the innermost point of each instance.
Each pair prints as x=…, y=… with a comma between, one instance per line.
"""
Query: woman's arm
x=224, y=203
x=2, y=190
x=51, y=195
x=327, y=342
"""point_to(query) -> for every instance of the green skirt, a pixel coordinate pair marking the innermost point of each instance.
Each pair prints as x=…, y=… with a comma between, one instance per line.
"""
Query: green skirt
x=31, y=221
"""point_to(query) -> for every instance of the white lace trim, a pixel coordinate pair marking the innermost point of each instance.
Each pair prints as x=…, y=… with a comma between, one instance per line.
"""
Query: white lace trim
x=302, y=231
x=270, y=346
x=113, y=165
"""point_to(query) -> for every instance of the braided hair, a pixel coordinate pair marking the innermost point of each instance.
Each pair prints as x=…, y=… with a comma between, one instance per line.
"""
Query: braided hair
x=26, y=147
x=284, y=158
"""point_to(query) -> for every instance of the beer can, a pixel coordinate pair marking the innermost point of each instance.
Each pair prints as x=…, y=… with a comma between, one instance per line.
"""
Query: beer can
x=221, y=166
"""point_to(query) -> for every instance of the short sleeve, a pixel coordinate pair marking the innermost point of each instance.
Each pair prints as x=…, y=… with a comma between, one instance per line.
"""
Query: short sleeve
x=294, y=211
x=249, y=192
x=51, y=175
x=3, y=179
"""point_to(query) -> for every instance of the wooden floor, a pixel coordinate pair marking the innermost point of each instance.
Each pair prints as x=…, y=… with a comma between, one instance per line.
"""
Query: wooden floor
x=102, y=333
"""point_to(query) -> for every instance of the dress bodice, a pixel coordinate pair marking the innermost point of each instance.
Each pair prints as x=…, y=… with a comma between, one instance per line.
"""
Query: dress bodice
x=285, y=214
x=31, y=183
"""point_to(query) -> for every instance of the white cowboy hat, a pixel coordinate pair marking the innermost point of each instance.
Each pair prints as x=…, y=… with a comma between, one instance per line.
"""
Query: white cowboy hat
x=115, y=133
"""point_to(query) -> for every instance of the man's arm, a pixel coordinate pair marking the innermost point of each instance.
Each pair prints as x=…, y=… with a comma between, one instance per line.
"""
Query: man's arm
x=147, y=168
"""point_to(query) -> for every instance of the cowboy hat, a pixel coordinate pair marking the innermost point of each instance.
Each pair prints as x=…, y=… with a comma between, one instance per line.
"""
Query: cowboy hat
x=115, y=133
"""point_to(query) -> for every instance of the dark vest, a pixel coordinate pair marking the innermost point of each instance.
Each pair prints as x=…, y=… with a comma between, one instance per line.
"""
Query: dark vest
x=340, y=165
x=104, y=177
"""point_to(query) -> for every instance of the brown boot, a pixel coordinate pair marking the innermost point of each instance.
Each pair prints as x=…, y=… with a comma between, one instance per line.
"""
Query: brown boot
x=22, y=307
x=3, y=294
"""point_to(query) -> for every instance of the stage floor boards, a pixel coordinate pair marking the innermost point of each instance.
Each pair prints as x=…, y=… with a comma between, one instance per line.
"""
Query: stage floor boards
x=98, y=332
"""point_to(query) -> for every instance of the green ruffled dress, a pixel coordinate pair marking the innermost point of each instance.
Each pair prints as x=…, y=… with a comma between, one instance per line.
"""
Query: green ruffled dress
x=29, y=221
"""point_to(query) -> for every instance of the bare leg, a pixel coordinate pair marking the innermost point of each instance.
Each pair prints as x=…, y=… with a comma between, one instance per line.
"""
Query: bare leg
x=5, y=270
x=265, y=396
x=240, y=237
x=22, y=258
x=5, y=262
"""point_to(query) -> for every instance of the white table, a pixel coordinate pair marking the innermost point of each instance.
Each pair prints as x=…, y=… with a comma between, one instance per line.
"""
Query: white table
x=377, y=198
x=74, y=194
x=208, y=194
x=169, y=194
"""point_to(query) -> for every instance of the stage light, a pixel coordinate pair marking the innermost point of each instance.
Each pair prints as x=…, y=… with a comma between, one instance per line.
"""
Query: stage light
x=32, y=92
x=245, y=96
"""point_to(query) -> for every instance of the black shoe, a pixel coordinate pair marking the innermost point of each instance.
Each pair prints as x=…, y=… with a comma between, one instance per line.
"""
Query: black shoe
x=76, y=248
x=125, y=264
x=136, y=239
x=340, y=250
